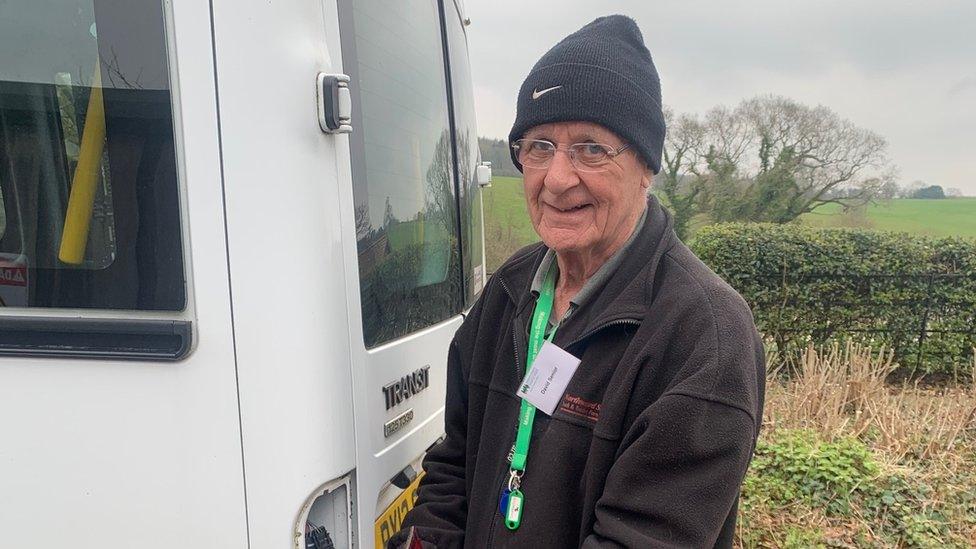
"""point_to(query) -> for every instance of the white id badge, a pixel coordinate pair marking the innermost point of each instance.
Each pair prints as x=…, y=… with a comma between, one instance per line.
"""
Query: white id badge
x=548, y=377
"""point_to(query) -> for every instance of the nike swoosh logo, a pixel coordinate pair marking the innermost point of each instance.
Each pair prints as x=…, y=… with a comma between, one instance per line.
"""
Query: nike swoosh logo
x=539, y=93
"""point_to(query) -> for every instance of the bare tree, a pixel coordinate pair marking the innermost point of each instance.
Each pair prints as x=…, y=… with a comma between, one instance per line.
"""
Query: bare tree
x=363, y=225
x=889, y=190
x=953, y=192
x=818, y=151
x=909, y=190
x=769, y=159
x=728, y=137
x=678, y=179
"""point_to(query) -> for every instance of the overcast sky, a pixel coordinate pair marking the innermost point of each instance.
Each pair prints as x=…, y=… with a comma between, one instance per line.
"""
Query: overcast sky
x=906, y=70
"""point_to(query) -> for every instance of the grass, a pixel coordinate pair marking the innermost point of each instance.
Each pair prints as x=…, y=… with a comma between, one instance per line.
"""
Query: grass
x=947, y=217
x=505, y=205
x=507, y=225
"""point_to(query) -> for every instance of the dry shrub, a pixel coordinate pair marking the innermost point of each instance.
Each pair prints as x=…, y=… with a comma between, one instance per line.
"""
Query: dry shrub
x=841, y=391
x=830, y=391
x=923, y=423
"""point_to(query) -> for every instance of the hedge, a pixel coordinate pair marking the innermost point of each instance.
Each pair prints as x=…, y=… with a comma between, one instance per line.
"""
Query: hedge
x=913, y=294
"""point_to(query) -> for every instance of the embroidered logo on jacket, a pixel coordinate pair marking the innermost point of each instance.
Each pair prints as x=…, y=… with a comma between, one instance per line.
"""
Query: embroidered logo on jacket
x=576, y=406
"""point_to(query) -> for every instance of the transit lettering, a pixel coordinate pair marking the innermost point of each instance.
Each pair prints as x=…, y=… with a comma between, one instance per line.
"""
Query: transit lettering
x=406, y=387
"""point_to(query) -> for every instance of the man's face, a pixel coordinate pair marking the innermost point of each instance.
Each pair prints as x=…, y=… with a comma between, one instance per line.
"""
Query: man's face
x=579, y=211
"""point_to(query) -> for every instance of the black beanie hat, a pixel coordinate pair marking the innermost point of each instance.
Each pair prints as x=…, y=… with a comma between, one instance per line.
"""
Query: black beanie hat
x=601, y=73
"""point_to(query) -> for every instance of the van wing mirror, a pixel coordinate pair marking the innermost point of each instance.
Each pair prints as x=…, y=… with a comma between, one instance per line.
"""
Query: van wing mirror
x=483, y=175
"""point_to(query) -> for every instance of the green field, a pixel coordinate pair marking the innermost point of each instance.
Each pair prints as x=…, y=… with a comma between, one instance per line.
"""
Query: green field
x=507, y=225
x=947, y=217
x=505, y=207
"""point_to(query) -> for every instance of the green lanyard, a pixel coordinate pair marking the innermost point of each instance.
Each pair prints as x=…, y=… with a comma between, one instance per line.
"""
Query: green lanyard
x=537, y=335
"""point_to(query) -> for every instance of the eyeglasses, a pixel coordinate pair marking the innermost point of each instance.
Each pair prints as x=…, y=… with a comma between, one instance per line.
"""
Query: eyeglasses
x=586, y=157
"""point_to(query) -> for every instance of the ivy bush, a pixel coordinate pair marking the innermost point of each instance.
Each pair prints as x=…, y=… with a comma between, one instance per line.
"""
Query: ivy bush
x=843, y=480
x=915, y=295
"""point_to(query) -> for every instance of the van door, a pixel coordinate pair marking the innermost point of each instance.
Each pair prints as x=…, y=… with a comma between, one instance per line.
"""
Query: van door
x=412, y=228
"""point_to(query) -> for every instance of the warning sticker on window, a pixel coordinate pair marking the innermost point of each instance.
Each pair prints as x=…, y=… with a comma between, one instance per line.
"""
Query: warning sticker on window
x=13, y=280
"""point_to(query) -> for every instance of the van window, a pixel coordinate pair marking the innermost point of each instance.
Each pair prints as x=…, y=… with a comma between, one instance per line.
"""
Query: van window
x=468, y=154
x=406, y=208
x=89, y=204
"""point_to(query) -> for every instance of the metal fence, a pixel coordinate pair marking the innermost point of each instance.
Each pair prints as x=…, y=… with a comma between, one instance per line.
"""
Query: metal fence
x=929, y=320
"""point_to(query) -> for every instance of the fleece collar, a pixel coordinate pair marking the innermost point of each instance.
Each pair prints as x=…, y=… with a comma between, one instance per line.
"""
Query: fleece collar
x=628, y=289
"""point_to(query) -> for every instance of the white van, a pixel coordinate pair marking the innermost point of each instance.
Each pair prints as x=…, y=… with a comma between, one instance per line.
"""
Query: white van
x=236, y=238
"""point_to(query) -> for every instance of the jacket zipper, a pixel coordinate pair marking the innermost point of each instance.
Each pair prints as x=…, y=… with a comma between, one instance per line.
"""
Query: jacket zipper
x=518, y=362
x=495, y=512
x=515, y=346
x=632, y=321
x=515, y=342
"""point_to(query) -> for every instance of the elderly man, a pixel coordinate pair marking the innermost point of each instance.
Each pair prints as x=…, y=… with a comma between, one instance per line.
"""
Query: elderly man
x=606, y=389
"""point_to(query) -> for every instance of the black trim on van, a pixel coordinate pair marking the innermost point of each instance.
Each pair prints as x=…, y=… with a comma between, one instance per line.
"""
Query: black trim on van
x=145, y=339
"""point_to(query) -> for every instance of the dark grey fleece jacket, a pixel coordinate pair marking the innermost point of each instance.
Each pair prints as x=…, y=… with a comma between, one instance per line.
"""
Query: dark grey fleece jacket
x=652, y=438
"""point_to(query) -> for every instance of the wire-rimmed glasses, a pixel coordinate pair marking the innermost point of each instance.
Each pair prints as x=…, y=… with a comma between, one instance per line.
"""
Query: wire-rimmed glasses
x=586, y=157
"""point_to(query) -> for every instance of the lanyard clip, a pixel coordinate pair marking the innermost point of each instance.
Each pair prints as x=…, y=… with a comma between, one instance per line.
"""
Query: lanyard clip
x=514, y=480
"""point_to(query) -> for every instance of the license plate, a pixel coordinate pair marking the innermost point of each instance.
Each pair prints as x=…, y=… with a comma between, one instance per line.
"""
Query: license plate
x=390, y=521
